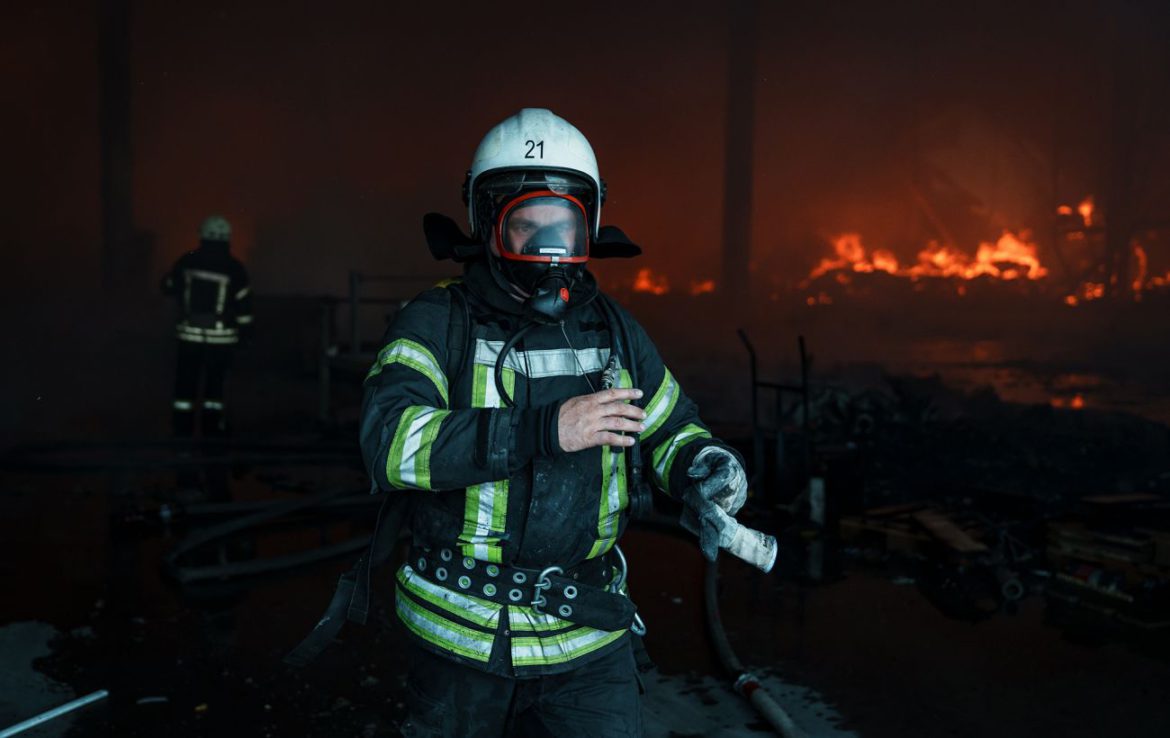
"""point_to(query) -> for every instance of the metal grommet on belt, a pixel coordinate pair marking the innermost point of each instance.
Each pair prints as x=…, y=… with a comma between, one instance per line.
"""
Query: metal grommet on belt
x=570, y=592
x=515, y=595
x=468, y=563
x=422, y=564
x=489, y=589
x=464, y=582
x=519, y=577
x=441, y=574
x=493, y=570
x=445, y=554
x=565, y=611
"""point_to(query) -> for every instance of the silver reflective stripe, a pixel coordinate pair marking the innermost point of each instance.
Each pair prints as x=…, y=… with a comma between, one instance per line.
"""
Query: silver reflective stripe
x=661, y=404
x=243, y=292
x=527, y=619
x=481, y=612
x=485, y=505
x=541, y=363
x=182, y=405
x=442, y=632
x=212, y=405
x=663, y=456
x=194, y=330
x=243, y=319
x=557, y=649
x=416, y=356
x=416, y=446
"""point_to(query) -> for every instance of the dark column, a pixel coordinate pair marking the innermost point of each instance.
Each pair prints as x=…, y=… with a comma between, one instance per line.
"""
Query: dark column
x=740, y=130
x=114, y=129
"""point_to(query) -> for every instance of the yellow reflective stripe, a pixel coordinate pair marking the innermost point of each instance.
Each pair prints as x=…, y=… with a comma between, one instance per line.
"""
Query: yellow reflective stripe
x=442, y=632
x=614, y=494
x=664, y=456
x=529, y=620
x=485, y=506
x=416, y=356
x=484, y=613
x=662, y=404
x=560, y=647
x=408, y=463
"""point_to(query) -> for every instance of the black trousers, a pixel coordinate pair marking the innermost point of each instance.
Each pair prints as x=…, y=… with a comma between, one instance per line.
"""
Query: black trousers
x=196, y=363
x=598, y=700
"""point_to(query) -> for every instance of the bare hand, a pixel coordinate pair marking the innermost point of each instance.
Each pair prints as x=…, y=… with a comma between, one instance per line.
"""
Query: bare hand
x=598, y=419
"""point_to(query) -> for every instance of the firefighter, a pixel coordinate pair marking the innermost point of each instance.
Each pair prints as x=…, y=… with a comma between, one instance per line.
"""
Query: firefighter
x=214, y=301
x=519, y=407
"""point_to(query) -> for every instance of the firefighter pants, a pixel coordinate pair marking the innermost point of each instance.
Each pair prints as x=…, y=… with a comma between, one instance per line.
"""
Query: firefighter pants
x=601, y=699
x=196, y=363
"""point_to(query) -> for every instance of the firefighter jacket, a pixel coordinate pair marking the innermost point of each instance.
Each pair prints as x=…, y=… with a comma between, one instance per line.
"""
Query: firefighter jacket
x=213, y=294
x=497, y=488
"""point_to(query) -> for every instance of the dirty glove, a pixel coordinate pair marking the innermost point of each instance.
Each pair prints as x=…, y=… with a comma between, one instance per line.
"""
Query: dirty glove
x=716, y=529
x=719, y=477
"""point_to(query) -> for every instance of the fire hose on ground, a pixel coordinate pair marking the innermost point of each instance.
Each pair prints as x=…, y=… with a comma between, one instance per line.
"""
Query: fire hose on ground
x=743, y=681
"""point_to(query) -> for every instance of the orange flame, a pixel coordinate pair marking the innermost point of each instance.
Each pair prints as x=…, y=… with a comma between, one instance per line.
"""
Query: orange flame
x=1086, y=210
x=647, y=281
x=1143, y=266
x=1013, y=256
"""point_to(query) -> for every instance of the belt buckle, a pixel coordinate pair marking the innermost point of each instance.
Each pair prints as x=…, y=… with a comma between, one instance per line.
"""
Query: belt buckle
x=543, y=583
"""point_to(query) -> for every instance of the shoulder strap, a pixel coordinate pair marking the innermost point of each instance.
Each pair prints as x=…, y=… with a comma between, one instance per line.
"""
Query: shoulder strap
x=458, y=333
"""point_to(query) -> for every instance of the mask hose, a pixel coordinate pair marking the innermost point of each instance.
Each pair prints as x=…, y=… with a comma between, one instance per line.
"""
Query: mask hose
x=507, y=349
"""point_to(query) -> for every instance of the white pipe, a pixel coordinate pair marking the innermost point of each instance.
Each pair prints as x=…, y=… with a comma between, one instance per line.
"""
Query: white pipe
x=45, y=717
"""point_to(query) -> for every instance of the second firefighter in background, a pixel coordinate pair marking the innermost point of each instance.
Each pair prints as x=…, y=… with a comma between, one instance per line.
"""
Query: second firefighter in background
x=214, y=302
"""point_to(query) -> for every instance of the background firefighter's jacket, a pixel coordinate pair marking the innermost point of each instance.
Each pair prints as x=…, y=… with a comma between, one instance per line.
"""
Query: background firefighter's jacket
x=213, y=294
x=502, y=491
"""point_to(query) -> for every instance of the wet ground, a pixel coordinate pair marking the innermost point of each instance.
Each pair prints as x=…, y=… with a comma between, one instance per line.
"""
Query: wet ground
x=863, y=654
x=866, y=653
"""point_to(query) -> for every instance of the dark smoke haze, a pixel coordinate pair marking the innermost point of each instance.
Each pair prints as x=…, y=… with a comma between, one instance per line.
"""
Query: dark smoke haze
x=324, y=133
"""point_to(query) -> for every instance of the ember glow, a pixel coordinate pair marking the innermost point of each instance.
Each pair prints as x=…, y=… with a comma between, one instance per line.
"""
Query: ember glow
x=701, y=288
x=648, y=281
x=1076, y=402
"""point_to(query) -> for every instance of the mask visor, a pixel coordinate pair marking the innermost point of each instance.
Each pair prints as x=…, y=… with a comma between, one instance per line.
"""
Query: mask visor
x=544, y=227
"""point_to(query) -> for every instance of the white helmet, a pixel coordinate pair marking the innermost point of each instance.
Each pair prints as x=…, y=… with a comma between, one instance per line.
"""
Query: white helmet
x=215, y=228
x=534, y=140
